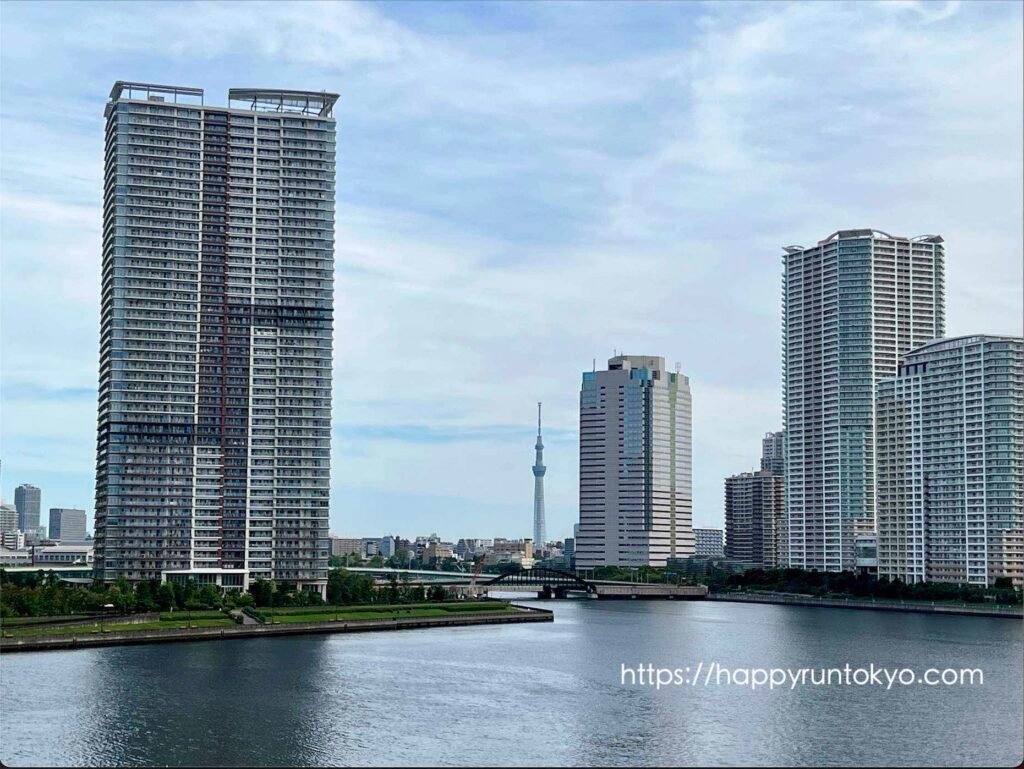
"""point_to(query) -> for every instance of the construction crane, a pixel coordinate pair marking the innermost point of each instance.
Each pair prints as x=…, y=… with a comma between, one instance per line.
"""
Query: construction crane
x=477, y=568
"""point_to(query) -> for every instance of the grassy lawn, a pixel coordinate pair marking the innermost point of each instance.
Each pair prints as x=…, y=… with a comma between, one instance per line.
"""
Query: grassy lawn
x=205, y=619
x=222, y=621
x=180, y=615
x=13, y=621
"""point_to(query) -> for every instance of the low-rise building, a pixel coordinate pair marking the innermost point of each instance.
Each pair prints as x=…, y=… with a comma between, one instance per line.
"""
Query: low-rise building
x=13, y=539
x=345, y=546
x=438, y=551
x=13, y=557
x=61, y=554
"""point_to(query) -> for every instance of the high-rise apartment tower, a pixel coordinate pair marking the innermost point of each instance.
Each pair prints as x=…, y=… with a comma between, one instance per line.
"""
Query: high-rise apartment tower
x=950, y=454
x=852, y=305
x=213, y=450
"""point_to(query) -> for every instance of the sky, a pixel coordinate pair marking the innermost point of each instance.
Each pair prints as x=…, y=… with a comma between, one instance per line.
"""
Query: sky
x=524, y=188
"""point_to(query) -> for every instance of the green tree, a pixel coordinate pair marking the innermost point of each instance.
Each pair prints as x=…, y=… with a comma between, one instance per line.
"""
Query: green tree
x=262, y=592
x=165, y=597
x=209, y=596
x=437, y=593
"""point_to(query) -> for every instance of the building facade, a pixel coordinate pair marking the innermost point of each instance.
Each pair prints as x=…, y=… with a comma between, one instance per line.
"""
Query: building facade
x=345, y=546
x=67, y=525
x=27, y=500
x=636, y=485
x=852, y=305
x=709, y=543
x=754, y=510
x=213, y=447
x=773, y=458
x=951, y=463
x=12, y=539
x=8, y=517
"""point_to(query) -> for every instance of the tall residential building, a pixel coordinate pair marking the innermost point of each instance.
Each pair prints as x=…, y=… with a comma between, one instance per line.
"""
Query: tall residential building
x=67, y=525
x=213, y=449
x=540, y=535
x=754, y=509
x=951, y=463
x=709, y=543
x=852, y=305
x=636, y=485
x=773, y=453
x=27, y=500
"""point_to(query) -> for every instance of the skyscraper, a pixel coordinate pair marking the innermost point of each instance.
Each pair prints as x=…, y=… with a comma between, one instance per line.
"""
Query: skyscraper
x=67, y=524
x=213, y=449
x=950, y=441
x=773, y=453
x=539, y=529
x=636, y=498
x=753, y=517
x=27, y=499
x=852, y=305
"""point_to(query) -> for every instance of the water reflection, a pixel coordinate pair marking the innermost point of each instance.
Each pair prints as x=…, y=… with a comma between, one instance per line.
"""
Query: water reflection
x=526, y=695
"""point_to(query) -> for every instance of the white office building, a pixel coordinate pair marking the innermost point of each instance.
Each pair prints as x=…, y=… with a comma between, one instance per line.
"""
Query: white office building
x=636, y=485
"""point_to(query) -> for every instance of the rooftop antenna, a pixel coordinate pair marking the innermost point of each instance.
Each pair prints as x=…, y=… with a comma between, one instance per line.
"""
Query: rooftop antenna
x=594, y=363
x=678, y=366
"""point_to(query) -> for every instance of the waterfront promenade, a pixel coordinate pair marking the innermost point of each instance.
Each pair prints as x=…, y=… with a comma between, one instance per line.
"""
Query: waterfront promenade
x=921, y=607
x=166, y=635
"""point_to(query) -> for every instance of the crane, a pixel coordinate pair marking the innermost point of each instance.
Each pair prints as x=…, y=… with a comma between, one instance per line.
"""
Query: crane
x=477, y=568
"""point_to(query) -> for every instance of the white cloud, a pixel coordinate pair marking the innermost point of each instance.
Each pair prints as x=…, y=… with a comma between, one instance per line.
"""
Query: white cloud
x=512, y=205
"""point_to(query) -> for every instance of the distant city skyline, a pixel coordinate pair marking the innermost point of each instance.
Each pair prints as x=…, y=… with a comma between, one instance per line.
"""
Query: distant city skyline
x=521, y=190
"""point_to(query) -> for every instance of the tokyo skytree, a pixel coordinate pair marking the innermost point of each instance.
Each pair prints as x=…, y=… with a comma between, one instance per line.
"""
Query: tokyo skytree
x=539, y=530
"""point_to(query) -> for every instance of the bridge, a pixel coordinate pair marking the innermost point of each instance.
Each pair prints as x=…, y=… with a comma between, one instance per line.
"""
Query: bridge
x=554, y=583
x=542, y=581
x=547, y=583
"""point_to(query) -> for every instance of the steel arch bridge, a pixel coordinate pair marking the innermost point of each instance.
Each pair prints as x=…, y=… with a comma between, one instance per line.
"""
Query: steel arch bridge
x=550, y=581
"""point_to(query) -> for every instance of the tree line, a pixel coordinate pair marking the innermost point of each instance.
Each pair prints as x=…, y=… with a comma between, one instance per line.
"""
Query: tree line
x=44, y=594
x=847, y=584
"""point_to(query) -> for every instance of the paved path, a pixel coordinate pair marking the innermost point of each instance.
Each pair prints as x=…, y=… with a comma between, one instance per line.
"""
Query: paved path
x=246, y=619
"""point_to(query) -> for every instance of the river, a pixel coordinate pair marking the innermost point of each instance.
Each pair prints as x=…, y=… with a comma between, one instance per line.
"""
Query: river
x=535, y=694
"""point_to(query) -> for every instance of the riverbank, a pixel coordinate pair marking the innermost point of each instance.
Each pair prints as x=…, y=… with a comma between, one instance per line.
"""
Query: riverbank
x=920, y=607
x=74, y=640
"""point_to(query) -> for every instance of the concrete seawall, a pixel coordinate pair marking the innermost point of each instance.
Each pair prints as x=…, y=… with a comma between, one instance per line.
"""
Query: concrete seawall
x=90, y=640
x=839, y=603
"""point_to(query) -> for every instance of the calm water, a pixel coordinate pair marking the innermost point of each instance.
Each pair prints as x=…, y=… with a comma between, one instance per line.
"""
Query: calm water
x=527, y=694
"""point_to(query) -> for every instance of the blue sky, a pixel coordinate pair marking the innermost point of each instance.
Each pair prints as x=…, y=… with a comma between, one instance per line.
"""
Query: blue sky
x=523, y=188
